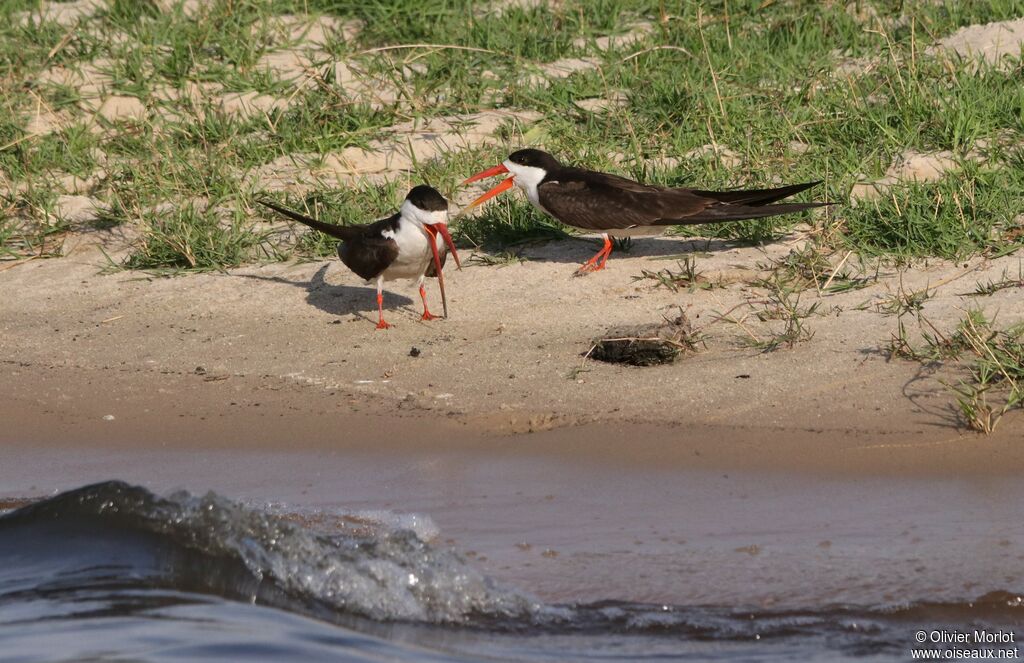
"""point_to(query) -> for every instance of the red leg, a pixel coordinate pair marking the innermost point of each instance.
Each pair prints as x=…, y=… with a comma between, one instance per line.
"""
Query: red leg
x=380, y=309
x=598, y=262
x=607, y=252
x=427, y=315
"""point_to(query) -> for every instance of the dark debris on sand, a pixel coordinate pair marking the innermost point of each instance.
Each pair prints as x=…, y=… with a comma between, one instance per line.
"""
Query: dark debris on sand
x=651, y=344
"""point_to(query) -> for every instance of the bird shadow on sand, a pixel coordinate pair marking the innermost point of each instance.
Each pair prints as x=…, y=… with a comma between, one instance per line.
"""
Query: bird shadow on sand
x=338, y=300
x=579, y=249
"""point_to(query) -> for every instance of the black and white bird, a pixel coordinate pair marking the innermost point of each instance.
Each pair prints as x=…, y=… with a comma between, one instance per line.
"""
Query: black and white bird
x=413, y=243
x=617, y=206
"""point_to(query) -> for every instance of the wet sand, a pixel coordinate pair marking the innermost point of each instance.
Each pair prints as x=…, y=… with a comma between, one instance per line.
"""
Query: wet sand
x=66, y=408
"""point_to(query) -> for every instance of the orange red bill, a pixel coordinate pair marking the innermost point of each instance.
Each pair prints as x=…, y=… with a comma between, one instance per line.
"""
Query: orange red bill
x=443, y=230
x=504, y=186
x=490, y=172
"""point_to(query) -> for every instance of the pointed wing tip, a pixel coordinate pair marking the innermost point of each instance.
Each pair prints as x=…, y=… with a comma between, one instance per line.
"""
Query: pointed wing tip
x=271, y=205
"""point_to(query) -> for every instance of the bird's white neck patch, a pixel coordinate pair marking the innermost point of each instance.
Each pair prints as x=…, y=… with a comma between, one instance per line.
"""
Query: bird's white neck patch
x=528, y=178
x=422, y=217
x=413, y=241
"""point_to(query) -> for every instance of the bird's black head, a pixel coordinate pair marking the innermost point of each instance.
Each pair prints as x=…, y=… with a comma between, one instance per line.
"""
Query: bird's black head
x=427, y=199
x=535, y=159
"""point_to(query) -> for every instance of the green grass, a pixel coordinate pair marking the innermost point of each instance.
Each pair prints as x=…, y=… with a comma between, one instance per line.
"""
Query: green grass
x=29, y=227
x=957, y=217
x=508, y=222
x=69, y=151
x=991, y=359
x=686, y=276
x=783, y=305
x=187, y=237
x=751, y=77
x=1005, y=282
x=326, y=120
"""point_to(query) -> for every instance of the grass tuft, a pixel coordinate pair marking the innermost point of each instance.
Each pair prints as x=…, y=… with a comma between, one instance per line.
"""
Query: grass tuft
x=953, y=218
x=190, y=238
x=783, y=304
x=994, y=363
x=509, y=222
x=687, y=276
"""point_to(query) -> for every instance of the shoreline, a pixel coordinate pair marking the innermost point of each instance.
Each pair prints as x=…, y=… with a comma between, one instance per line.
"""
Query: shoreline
x=64, y=408
x=246, y=360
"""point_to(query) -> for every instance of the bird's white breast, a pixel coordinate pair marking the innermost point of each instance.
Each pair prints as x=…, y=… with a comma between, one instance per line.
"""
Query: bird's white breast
x=414, y=254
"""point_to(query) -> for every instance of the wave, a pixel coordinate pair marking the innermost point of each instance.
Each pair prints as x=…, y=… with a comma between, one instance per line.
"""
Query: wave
x=379, y=573
x=117, y=535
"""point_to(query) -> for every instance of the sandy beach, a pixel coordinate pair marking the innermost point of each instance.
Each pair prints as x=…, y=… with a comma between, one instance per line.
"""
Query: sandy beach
x=253, y=355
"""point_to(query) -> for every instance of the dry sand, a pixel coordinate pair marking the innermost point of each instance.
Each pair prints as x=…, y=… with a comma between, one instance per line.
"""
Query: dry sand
x=287, y=354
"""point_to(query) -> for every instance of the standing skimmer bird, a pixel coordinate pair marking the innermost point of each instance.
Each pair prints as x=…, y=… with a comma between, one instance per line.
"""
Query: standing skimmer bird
x=403, y=246
x=614, y=205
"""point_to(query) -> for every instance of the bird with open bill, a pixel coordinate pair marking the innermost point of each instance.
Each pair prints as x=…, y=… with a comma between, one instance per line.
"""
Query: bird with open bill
x=618, y=207
x=412, y=243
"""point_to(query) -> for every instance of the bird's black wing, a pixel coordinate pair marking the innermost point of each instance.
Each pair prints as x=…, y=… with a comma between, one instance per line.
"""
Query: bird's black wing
x=596, y=201
x=613, y=203
x=756, y=196
x=373, y=249
x=368, y=257
x=364, y=249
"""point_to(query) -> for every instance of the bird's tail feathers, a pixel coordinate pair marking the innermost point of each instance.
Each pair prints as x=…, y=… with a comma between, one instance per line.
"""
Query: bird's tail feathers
x=719, y=213
x=755, y=197
x=340, y=232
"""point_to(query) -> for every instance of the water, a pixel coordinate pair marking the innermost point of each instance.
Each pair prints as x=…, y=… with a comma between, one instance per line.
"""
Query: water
x=113, y=572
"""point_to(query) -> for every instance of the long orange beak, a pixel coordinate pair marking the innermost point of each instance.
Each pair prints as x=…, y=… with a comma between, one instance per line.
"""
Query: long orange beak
x=504, y=186
x=490, y=172
x=441, y=228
